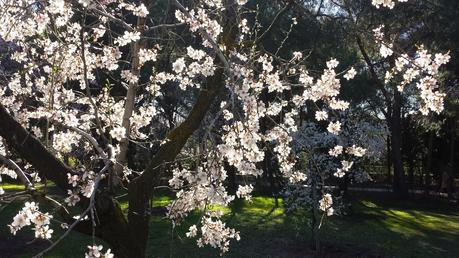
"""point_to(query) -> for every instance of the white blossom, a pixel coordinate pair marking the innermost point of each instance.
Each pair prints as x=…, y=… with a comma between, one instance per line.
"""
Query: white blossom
x=350, y=74
x=386, y=50
x=334, y=127
x=127, y=38
x=332, y=63
x=386, y=3
x=192, y=231
x=321, y=115
x=356, y=151
x=244, y=191
x=179, y=65
x=337, y=150
x=118, y=133
x=325, y=203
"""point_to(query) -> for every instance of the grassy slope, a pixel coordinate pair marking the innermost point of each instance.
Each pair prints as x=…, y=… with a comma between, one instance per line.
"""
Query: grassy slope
x=400, y=229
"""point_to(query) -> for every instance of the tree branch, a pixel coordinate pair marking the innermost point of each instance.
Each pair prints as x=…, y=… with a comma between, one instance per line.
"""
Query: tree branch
x=32, y=150
x=21, y=175
x=130, y=101
x=372, y=69
x=274, y=21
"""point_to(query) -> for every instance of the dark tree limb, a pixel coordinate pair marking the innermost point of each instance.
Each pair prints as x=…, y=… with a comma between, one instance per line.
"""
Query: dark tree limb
x=374, y=75
x=112, y=224
x=32, y=150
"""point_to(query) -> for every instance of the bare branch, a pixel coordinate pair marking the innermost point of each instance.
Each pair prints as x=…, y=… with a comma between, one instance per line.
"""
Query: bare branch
x=273, y=23
x=21, y=175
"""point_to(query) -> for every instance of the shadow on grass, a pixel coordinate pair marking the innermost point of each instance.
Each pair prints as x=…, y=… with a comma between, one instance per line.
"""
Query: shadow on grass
x=379, y=227
x=400, y=229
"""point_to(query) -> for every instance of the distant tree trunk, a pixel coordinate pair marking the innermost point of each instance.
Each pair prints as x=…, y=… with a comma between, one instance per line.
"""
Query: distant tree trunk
x=269, y=170
x=411, y=165
x=232, y=184
x=344, y=187
x=315, y=222
x=428, y=168
x=389, y=160
x=399, y=185
x=269, y=175
x=451, y=167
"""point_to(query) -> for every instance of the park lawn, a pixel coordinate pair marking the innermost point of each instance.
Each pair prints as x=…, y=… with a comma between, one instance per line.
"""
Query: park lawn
x=377, y=227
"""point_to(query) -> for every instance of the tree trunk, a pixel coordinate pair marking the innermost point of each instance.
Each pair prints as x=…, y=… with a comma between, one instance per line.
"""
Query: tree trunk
x=315, y=222
x=411, y=174
x=113, y=227
x=32, y=150
x=389, y=160
x=111, y=224
x=231, y=181
x=428, y=168
x=452, y=154
x=399, y=185
x=269, y=172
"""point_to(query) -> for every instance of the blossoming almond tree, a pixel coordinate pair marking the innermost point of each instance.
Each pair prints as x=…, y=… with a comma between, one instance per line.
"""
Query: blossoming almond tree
x=62, y=104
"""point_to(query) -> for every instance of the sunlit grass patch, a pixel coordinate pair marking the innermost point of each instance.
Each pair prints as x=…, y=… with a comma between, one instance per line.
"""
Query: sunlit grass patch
x=12, y=187
x=369, y=204
x=393, y=229
x=404, y=229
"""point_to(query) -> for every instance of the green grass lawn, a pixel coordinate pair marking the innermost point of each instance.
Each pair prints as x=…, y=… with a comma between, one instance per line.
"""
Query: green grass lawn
x=377, y=227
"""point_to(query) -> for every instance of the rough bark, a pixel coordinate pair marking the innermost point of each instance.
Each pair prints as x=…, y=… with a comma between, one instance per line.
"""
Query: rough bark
x=114, y=228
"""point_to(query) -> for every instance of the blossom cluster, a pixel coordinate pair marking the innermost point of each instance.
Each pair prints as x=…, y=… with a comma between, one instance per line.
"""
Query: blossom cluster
x=421, y=68
x=30, y=215
x=198, y=190
x=95, y=251
x=386, y=3
x=213, y=233
x=325, y=204
x=83, y=184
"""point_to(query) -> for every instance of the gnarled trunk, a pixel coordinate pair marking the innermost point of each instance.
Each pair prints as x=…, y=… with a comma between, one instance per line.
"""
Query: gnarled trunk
x=115, y=230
